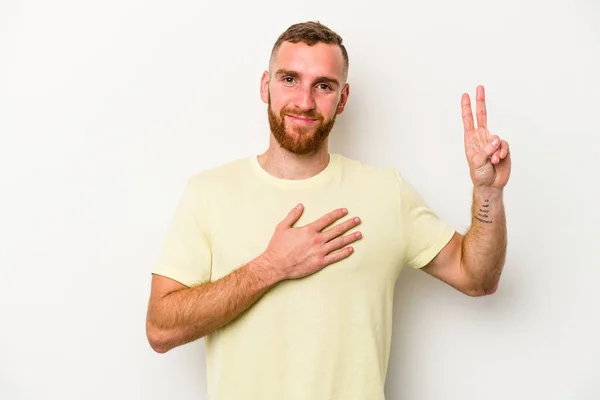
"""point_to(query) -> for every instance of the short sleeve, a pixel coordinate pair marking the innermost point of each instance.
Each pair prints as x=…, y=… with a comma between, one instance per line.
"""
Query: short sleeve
x=185, y=255
x=424, y=233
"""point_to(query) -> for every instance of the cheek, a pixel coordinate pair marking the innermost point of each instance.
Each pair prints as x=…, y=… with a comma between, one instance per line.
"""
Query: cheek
x=278, y=101
x=328, y=107
x=276, y=108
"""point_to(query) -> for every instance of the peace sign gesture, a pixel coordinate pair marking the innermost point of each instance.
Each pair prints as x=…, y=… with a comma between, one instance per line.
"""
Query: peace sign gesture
x=487, y=155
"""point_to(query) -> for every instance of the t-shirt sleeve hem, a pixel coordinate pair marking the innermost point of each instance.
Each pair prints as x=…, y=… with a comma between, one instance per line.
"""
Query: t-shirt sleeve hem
x=181, y=278
x=434, y=248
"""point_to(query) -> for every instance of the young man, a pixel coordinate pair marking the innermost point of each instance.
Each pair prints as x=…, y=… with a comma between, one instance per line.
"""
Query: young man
x=286, y=262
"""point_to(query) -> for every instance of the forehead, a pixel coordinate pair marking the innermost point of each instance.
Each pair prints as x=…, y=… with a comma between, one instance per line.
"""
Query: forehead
x=318, y=60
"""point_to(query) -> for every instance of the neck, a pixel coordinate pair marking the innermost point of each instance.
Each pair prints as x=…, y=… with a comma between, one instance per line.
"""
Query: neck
x=285, y=165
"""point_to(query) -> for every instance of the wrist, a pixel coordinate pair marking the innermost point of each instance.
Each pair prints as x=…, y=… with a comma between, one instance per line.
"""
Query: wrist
x=488, y=192
x=487, y=205
x=264, y=270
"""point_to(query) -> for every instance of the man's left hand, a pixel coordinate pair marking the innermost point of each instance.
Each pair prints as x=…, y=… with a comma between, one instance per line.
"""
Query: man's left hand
x=488, y=156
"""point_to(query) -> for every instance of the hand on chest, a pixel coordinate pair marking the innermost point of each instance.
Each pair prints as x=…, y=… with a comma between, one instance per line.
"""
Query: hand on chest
x=246, y=231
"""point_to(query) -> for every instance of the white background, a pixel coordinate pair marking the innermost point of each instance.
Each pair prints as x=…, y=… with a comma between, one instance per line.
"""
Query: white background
x=107, y=107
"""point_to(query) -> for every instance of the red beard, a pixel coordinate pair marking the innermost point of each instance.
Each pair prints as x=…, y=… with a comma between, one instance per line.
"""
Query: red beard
x=304, y=140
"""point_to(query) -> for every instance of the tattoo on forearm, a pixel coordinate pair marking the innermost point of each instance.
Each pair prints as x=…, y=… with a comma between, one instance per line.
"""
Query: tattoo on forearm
x=483, y=214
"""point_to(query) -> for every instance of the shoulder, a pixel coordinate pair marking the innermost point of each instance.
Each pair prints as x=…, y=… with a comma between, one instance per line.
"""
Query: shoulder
x=383, y=177
x=361, y=169
x=204, y=187
x=221, y=174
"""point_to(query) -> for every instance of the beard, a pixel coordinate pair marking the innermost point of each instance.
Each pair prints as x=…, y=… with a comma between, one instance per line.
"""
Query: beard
x=304, y=140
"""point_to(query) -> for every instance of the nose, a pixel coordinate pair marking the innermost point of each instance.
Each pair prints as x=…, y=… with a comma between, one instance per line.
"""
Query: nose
x=304, y=99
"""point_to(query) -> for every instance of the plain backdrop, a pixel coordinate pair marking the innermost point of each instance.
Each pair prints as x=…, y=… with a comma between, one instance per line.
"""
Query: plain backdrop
x=106, y=108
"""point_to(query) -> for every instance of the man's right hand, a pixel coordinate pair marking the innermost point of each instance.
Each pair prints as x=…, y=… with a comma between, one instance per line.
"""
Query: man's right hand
x=179, y=314
x=296, y=252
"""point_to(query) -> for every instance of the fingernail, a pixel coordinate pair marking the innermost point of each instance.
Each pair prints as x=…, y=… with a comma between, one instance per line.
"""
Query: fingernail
x=299, y=206
x=495, y=142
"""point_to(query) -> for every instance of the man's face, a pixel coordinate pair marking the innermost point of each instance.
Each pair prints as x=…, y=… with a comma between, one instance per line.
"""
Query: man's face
x=305, y=91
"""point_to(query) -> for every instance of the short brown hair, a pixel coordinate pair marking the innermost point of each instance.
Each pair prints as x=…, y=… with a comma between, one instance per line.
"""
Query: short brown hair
x=311, y=33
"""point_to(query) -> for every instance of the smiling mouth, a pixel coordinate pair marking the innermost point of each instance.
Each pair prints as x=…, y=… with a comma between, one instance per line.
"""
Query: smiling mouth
x=300, y=119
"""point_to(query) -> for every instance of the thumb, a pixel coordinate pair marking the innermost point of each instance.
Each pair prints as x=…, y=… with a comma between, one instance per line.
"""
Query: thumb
x=292, y=216
x=485, y=154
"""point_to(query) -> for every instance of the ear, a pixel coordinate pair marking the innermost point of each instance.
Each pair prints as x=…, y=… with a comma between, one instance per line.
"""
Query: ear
x=264, y=87
x=343, y=99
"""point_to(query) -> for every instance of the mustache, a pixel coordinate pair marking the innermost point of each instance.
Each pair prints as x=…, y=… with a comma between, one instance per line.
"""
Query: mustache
x=301, y=114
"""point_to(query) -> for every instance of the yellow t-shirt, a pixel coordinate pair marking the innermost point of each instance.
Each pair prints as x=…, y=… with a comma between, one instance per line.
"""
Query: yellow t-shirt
x=323, y=337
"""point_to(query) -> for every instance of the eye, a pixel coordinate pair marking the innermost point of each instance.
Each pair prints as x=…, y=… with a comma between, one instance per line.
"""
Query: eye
x=288, y=79
x=324, y=86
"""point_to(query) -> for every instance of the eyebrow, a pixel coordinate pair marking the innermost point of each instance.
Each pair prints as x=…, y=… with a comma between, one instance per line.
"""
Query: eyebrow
x=318, y=79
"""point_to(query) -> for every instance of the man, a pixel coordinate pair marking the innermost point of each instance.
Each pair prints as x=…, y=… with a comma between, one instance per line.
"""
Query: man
x=286, y=262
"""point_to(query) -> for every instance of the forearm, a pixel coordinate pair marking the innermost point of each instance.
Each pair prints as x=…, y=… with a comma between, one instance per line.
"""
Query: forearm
x=484, y=244
x=191, y=313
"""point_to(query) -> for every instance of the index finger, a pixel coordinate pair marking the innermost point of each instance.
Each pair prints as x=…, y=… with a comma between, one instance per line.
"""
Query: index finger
x=480, y=108
x=328, y=219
